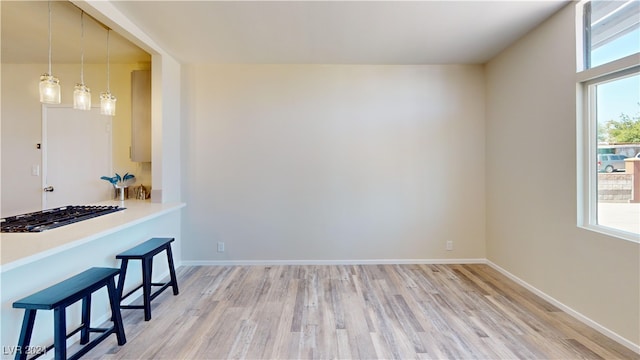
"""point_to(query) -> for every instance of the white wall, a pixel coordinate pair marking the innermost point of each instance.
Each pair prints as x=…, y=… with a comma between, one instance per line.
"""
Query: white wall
x=166, y=129
x=333, y=162
x=531, y=184
x=22, y=126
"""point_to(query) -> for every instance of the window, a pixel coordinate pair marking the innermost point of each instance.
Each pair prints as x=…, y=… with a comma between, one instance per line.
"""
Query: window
x=609, y=117
x=610, y=30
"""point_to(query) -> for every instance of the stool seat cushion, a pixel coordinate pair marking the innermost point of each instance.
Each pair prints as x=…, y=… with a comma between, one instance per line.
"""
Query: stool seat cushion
x=68, y=291
x=147, y=248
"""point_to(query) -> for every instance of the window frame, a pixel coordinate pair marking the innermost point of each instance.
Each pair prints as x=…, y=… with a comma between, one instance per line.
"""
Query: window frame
x=588, y=144
x=586, y=141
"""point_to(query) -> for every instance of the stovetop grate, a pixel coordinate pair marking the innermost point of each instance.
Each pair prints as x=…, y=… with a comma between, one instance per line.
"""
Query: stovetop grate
x=52, y=218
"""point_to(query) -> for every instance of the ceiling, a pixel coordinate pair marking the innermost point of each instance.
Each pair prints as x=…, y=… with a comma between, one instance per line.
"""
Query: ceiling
x=25, y=36
x=326, y=32
x=352, y=32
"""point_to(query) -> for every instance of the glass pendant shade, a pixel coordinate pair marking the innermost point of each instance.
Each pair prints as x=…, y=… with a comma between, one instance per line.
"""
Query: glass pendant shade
x=81, y=93
x=81, y=97
x=107, y=100
x=49, y=85
x=107, y=104
x=49, y=89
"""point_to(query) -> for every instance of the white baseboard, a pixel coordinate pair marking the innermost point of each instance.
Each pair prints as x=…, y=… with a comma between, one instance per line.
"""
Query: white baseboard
x=587, y=321
x=329, y=262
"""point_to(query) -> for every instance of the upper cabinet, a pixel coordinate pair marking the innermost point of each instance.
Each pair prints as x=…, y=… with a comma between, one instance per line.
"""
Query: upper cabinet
x=141, y=116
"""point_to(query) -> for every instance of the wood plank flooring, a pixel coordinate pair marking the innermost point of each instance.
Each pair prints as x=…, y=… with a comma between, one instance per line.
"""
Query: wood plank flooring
x=354, y=312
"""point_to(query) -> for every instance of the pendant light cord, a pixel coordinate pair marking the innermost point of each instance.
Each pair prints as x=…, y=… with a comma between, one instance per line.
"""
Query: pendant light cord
x=108, y=32
x=82, y=48
x=49, y=2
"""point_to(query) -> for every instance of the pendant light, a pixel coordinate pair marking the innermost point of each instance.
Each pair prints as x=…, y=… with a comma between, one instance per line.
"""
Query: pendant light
x=81, y=93
x=107, y=100
x=49, y=84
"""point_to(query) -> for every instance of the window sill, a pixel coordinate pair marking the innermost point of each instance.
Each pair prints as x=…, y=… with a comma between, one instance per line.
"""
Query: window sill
x=616, y=233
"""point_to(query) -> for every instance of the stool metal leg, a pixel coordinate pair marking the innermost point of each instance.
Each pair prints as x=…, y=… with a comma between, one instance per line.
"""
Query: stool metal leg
x=25, y=334
x=59, y=333
x=172, y=271
x=86, y=319
x=146, y=287
x=114, y=301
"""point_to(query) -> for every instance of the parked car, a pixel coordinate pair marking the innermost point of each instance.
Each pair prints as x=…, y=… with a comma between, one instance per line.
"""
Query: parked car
x=610, y=162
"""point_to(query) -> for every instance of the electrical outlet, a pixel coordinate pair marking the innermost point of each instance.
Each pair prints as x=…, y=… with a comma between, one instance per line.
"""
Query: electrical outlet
x=220, y=246
x=449, y=245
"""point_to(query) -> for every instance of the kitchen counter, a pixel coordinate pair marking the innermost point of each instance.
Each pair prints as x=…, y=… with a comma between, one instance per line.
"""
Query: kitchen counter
x=18, y=249
x=34, y=261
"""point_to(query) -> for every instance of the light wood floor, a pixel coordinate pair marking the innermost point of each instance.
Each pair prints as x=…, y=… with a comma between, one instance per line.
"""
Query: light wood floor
x=357, y=312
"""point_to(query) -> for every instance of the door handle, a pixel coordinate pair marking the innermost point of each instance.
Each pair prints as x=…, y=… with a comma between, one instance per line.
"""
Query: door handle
x=48, y=189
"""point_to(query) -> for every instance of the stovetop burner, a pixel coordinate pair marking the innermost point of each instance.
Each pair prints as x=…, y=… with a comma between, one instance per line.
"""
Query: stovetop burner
x=52, y=218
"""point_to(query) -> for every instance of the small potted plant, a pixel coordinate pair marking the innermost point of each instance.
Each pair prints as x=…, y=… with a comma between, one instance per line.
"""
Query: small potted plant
x=120, y=183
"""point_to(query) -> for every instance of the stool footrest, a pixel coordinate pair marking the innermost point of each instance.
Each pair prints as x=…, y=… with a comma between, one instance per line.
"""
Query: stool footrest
x=153, y=296
x=75, y=331
x=105, y=333
x=157, y=292
x=92, y=343
x=99, y=330
x=46, y=350
x=131, y=306
x=130, y=292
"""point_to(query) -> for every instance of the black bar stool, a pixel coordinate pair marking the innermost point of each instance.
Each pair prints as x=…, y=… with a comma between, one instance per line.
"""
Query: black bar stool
x=57, y=298
x=145, y=252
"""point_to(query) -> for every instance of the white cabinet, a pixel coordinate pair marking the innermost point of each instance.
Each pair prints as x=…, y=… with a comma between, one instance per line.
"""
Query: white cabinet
x=141, y=116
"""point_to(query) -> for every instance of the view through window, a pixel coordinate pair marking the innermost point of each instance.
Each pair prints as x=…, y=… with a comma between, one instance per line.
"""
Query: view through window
x=618, y=138
x=611, y=32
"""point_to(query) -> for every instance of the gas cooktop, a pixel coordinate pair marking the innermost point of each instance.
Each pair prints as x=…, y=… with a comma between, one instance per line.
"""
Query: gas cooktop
x=52, y=218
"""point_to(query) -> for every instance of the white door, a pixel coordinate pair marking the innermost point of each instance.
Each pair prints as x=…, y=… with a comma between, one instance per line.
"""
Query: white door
x=76, y=152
